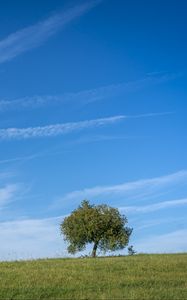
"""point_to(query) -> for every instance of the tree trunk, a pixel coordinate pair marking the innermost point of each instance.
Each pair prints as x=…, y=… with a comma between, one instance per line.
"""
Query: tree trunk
x=94, y=249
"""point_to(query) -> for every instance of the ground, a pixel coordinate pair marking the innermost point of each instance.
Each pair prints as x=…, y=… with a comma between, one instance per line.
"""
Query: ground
x=128, y=277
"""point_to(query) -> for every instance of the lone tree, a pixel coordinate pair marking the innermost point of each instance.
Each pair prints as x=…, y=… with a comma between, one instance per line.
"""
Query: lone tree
x=101, y=225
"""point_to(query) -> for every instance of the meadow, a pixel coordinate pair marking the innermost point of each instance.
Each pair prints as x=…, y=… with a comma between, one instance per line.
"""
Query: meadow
x=140, y=276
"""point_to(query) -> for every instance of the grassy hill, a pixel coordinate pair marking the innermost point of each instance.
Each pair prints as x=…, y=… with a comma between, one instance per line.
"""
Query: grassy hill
x=131, y=277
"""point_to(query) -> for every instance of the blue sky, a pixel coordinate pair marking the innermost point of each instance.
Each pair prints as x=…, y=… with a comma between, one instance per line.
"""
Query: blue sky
x=92, y=105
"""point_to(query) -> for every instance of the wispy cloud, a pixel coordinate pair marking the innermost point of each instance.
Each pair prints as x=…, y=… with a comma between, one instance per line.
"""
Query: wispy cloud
x=19, y=158
x=150, y=115
x=35, y=35
x=102, y=138
x=65, y=128
x=155, y=206
x=55, y=130
x=7, y=193
x=86, y=96
x=139, y=189
x=31, y=238
x=148, y=223
x=172, y=242
x=29, y=102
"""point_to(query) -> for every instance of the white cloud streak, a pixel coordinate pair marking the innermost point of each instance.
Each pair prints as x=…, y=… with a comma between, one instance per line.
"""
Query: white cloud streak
x=146, y=223
x=33, y=36
x=7, y=194
x=55, y=130
x=10, y=160
x=139, y=189
x=65, y=128
x=85, y=97
x=154, y=207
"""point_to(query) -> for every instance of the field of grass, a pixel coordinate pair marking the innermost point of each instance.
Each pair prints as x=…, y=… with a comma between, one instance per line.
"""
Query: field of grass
x=130, y=277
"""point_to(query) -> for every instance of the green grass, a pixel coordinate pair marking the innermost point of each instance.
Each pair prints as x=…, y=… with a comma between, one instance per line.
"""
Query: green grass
x=131, y=277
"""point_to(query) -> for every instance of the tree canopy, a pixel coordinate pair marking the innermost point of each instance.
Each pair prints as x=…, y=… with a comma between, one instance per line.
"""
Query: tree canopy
x=101, y=225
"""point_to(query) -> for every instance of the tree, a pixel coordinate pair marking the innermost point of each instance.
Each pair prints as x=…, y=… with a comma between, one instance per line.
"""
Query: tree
x=102, y=225
x=131, y=250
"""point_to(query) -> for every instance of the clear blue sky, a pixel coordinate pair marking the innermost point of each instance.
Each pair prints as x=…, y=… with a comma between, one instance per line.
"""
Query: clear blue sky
x=93, y=104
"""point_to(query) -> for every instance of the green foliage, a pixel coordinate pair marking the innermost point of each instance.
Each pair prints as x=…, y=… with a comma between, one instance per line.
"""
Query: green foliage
x=131, y=250
x=148, y=277
x=101, y=225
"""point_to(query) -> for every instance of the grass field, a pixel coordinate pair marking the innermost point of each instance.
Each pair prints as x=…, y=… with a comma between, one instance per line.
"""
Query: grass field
x=130, y=277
